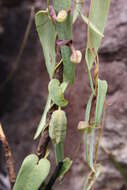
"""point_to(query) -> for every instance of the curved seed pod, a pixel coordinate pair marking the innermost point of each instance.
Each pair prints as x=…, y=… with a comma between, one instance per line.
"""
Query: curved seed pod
x=57, y=126
x=62, y=16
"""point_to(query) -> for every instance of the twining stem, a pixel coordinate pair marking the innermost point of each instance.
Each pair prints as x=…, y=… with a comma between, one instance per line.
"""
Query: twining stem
x=8, y=157
x=43, y=143
x=54, y=176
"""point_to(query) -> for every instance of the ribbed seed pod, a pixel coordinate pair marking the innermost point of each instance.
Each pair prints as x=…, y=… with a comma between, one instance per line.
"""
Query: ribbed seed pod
x=57, y=126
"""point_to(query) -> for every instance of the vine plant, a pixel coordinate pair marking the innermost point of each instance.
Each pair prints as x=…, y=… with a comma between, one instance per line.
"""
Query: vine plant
x=54, y=26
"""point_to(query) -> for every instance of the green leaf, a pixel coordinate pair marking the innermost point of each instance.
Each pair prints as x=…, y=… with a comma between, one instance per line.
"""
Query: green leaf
x=69, y=68
x=47, y=34
x=32, y=173
x=88, y=108
x=61, y=4
x=91, y=25
x=87, y=116
x=89, y=151
x=42, y=123
x=89, y=73
x=67, y=162
x=64, y=86
x=98, y=15
x=92, y=177
x=64, y=31
x=101, y=95
x=77, y=8
x=56, y=94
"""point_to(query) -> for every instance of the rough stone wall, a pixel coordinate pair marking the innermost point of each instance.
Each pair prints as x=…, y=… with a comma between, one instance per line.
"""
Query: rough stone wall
x=22, y=100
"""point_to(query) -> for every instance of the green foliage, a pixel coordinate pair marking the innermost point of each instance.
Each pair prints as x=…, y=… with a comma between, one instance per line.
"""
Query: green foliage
x=101, y=94
x=91, y=25
x=32, y=173
x=88, y=108
x=96, y=22
x=56, y=23
x=56, y=94
x=47, y=34
x=77, y=9
x=42, y=123
x=61, y=4
x=64, y=31
x=97, y=16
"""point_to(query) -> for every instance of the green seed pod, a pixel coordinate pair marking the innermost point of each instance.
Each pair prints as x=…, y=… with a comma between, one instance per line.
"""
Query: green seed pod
x=76, y=57
x=57, y=126
x=62, y=16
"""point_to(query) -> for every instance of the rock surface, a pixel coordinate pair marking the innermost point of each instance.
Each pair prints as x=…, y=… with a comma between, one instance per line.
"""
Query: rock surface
x=22, y=100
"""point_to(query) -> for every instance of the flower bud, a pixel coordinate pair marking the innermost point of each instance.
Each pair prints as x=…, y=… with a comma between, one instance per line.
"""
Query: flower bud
x=62, y=16
x=76, y=57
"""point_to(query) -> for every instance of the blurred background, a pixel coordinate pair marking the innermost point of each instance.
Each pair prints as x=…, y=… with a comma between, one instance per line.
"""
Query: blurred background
x=23, y=92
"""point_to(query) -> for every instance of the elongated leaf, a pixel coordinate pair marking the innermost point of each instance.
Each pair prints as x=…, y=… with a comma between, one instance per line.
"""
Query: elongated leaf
x=89, y=154
x=67, y=162
x=91, y=25
x=98, y=14
x=47, y=34
x=32, y=173
x=89, y=73
x=87, y=116
x=77, y=9
x=88, y=108
x=69, y=68
x=56, y=94
x=91, y=150
x=101, y=94
x=92, y=177
x=42, y=123
x=64, y=31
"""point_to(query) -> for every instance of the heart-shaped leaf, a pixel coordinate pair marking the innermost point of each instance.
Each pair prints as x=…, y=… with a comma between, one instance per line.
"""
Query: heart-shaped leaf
x=101, y=94
x=56, y=94
x=47, y=34
x=32, y=173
